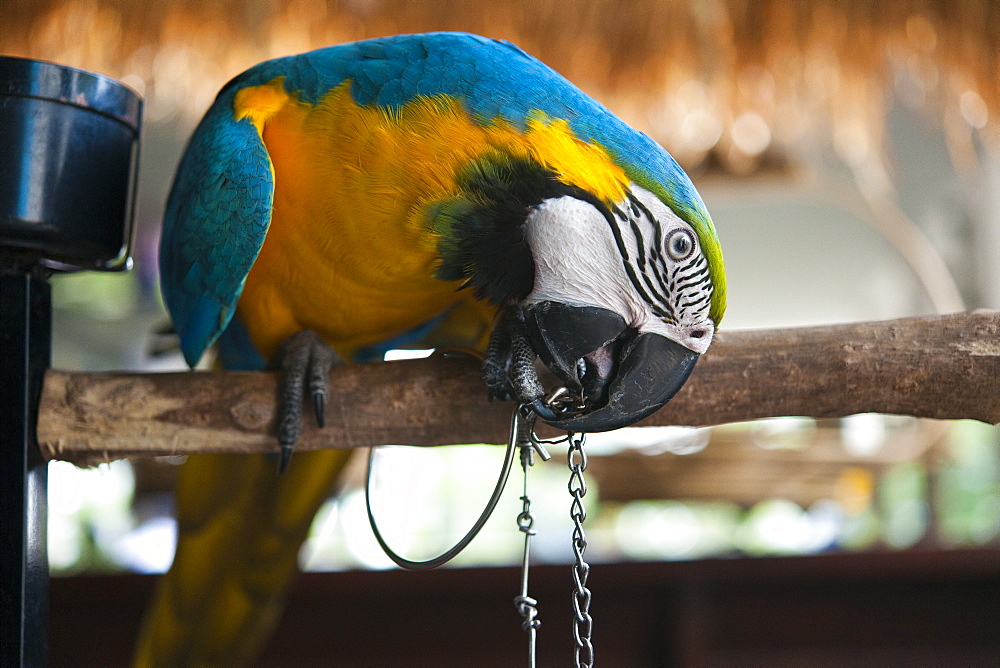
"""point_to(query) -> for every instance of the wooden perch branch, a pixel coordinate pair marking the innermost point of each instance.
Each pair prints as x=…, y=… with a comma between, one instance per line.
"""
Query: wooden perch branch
x=939, y=367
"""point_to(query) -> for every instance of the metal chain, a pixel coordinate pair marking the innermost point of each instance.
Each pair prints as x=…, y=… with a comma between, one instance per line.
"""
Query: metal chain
x=583, y=652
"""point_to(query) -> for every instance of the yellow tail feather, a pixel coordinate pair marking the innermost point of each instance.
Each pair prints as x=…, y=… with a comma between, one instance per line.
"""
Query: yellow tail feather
x=240, y=527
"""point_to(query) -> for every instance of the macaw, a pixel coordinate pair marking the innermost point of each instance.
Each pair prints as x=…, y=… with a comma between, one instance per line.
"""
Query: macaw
x=435, y=189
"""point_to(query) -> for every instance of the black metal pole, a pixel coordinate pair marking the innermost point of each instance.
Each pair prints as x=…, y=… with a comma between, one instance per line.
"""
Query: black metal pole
x=69, y=142
x=25, y=353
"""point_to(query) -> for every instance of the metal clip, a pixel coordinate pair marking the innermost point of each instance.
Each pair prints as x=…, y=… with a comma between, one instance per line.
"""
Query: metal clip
x=525, y=437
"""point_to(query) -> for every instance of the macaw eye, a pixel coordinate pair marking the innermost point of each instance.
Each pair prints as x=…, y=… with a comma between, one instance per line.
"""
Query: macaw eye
x=680, y=245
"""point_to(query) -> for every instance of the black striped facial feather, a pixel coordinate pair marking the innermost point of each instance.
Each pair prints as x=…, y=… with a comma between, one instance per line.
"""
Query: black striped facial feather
x=663, y=262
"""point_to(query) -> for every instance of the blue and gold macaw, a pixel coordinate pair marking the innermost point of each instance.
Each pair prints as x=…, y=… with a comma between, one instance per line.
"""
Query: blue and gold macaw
x=435, y=189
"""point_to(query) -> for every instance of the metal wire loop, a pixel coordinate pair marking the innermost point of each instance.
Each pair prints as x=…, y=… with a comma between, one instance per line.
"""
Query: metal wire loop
x=451, y=553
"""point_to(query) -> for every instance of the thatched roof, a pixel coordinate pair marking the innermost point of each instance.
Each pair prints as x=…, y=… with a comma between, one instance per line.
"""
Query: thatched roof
x=727, y=81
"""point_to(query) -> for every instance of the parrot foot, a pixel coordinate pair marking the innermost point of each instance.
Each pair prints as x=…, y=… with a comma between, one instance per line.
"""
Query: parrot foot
x=509, y=365
x=305, y=359
x=497, y=357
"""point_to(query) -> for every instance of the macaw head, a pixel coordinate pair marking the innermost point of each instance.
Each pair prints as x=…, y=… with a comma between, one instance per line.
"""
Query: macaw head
x=617, y=298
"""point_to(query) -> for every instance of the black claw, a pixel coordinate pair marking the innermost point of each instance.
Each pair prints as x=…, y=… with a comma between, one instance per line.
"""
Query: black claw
x=286, y=458
x=322, y=357
x=319, y=405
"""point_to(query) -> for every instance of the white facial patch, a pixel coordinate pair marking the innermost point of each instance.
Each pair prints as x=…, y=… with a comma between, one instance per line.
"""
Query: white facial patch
x=576, y=258
x=645, y=264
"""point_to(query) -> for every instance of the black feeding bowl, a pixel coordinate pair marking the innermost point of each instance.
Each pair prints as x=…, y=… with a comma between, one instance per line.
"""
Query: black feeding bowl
x=69, y=144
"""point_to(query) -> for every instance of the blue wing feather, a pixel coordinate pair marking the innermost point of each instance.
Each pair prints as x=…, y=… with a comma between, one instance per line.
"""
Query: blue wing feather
x=216, y=219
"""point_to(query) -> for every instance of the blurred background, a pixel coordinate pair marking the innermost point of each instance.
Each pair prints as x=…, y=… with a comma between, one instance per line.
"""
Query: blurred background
x=848, y=152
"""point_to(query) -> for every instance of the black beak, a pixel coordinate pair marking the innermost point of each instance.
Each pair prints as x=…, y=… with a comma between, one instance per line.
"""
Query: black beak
x=623, y=375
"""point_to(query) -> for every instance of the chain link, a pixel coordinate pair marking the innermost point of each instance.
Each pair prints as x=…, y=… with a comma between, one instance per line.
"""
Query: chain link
x=583, y=652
